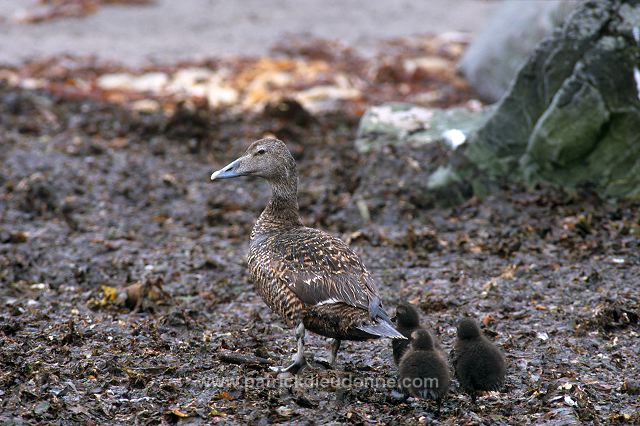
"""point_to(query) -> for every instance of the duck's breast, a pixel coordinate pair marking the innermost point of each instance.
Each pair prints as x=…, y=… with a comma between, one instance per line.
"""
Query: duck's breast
x=268, y=274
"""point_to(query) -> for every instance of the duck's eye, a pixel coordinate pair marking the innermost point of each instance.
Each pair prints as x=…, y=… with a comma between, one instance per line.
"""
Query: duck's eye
x=261, y=151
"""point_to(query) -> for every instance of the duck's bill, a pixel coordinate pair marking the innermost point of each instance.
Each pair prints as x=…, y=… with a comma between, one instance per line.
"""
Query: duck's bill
x=227, y=172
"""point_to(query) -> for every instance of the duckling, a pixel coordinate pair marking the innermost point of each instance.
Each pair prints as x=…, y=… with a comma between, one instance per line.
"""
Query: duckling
x=313, y=280
x=479, y=364
x=407, y=321
x=423, y=370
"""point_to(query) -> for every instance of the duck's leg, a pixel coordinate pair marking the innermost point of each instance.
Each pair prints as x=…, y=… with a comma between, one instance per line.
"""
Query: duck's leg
x=299, y=362
x=335, y=346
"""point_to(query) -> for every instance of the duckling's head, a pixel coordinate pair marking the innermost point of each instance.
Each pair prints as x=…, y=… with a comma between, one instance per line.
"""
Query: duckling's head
x=468, y=329
x=407, y=316
x=267, y=158
x=421, y=340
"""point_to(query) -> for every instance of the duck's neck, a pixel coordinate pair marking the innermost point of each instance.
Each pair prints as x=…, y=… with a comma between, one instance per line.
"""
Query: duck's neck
x=282, y=211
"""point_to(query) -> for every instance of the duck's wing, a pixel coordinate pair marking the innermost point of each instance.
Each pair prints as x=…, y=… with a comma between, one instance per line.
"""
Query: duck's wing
x=322, y=269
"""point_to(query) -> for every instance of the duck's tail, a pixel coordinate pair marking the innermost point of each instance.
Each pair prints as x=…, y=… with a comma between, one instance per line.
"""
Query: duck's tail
x=382, y=328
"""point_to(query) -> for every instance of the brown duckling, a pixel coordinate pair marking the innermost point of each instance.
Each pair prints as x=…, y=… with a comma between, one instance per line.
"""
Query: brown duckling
x=479, y=365
x=423, y=370
x=407, y=320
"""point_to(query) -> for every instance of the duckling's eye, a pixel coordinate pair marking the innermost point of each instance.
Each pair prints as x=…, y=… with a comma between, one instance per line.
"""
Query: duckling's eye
x=261, y=151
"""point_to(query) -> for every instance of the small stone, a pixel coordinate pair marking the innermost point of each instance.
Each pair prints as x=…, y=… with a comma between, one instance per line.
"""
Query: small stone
x=41, y=407
x=284, y=411
x=569, y=401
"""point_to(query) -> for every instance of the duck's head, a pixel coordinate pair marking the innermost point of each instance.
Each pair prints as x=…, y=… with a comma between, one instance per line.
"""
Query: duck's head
x=468, y=329
x=421, y=340
x=267, y=158
x=407, y=316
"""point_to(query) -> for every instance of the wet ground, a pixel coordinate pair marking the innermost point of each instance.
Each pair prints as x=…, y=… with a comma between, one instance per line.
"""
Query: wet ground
x=95, y=197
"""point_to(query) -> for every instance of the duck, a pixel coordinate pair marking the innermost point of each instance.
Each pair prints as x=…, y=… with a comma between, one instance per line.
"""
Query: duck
x=407, y=320
x=423, y=370
x=310, y=278
x=479, y=365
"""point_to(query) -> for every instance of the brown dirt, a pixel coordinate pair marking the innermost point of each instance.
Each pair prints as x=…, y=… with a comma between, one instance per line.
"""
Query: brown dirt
x=93, y=195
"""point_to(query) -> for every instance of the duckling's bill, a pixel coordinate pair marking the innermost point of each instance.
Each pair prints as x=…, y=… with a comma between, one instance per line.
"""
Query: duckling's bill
x=228, y=171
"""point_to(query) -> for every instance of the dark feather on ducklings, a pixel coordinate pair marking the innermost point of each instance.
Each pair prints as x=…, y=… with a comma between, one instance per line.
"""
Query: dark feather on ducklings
x=313, y=280
x=424, y=372
x=407, y=320
x=479, y=365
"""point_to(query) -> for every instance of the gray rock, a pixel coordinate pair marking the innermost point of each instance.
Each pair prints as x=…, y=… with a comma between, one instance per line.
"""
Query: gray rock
x=405, y=144
x=494, y=57
x=406, y=124
x=572, y=115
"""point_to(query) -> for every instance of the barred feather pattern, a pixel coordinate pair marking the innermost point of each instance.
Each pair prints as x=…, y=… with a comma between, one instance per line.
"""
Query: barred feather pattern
x=306, y=274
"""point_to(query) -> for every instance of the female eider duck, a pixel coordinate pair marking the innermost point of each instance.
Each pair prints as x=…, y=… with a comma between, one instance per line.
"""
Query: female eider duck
x=313, y=280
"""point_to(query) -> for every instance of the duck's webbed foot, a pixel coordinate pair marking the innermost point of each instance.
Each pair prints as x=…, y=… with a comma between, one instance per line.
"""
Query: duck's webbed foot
x=295, y=367
x=299, y=361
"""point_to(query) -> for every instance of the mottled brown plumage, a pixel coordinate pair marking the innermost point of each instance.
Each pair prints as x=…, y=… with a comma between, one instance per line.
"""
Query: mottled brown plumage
x=479, y=365
x=311, y=279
